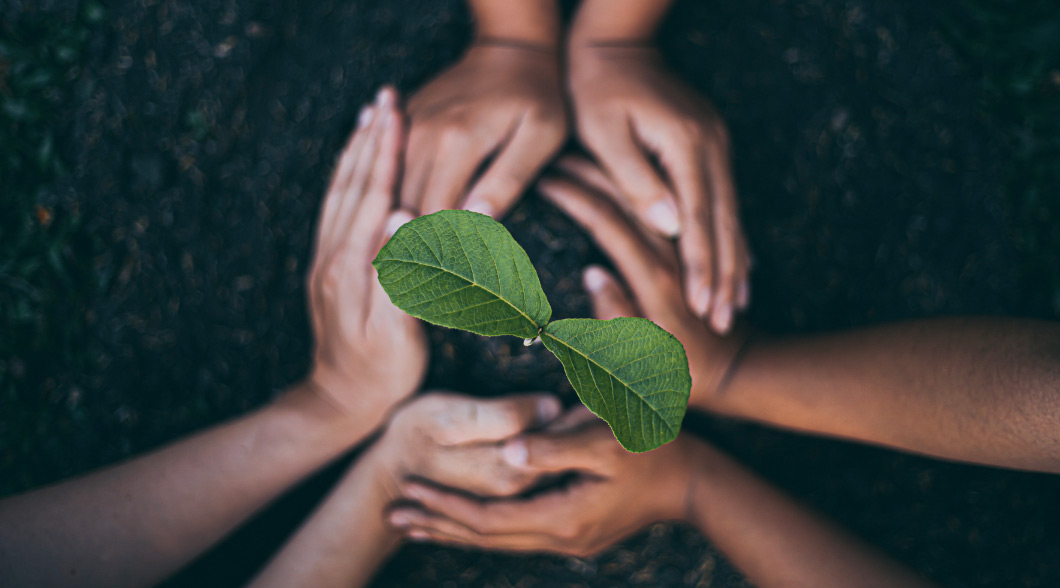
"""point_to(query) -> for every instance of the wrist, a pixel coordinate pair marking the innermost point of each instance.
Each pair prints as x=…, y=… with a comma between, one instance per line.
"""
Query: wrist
x=323, y=416
x=532, y=23
x=616, y=23
x=707, y=468
x=712, y=393
x=375, y=471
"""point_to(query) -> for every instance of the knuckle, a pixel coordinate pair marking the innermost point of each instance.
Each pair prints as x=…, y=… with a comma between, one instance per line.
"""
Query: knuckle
x=508, y=485
x=689, y=133
x=569, y=531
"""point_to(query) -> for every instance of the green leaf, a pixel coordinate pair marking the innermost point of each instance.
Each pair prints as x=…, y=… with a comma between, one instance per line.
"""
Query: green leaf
x=628, y=371
x=463, y=270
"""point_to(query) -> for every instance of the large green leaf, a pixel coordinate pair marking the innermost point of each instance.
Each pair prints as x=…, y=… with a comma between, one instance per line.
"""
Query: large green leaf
x=628, y=371
x=463, y=270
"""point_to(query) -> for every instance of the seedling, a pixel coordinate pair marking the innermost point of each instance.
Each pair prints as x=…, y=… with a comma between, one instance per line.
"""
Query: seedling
x=464, y=270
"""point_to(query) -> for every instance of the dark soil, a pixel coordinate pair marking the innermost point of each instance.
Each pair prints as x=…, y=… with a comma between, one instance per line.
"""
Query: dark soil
x=201, y=136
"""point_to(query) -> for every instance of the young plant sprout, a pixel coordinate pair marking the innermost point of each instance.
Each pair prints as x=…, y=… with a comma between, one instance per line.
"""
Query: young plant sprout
x=464, y=270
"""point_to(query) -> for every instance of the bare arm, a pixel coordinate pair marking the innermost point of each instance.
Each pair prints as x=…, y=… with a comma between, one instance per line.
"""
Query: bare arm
x=480, y=131
x=134, y=523
x=344, y=541
x=776, y=541
x=450, y=438
x=618, y=20
x=984, y=390
x=535, y=22
x=771, y=538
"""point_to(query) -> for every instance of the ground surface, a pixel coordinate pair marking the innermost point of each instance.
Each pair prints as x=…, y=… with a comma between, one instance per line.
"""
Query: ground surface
x=166, y=176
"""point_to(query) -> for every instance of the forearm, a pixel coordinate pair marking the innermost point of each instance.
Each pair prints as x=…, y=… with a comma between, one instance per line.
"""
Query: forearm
x=134, y=523
x=345, y=540
x=776, y=541
x=603, y=21
x=535, y=22
x=984, y=390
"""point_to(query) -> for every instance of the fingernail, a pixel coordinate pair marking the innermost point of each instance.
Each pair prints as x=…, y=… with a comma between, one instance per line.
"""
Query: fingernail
x=723, y=318
x=480, y=206
x=384, y=98
x=595, y=278
x=395, y=221
x=418, y=535
x=701, y=301
x=365, y=118
x=743, y=295
x=548, y=408
x=515, y=453
x=399, y=519
x=663, y=216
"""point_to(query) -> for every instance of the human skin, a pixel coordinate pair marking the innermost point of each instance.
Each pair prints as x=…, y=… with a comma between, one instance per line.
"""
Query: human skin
x=501, y=106
x=663, y=145
x=453, y=439
x=134, y=523
x=976, y=389
x=771, y=538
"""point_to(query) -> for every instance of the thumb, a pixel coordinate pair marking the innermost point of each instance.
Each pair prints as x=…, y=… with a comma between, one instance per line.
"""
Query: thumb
x=589, y=449
x=609, y=299
x=475, y=420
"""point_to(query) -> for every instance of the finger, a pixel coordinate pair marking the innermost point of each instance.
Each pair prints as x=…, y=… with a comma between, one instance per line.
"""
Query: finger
x=370, y=218
x=536, y=515
x=572, y=419
x=743, y=293
x=341, y=178
x=455, y=162
x=422, y=525
x=590, y=448
x=419, y=157
x=590, y=175
x=649, y=275
x=476, y=468
x=361, y=173
x=468, y=420
x=728, y=238
x=697, y=243
x=379, y=295
x=609, y=299
x=646, y=195
x=513, y=169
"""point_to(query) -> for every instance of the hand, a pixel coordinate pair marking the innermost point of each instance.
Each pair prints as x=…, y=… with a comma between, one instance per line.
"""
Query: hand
x=632, y=114
x=649, y=267
x=369, y=355
x=615, y=494
x=501, y=104
x=457, y=441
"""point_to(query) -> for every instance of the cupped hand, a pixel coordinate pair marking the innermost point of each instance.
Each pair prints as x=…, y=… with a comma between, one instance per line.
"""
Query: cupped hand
x=649, y=267
x=667, y=151
x=500, y=107
x=457, y=441
x=369, y=355
x=614, y=494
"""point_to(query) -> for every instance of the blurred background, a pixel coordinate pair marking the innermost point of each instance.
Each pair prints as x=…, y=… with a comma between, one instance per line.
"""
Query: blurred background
x=162, y=163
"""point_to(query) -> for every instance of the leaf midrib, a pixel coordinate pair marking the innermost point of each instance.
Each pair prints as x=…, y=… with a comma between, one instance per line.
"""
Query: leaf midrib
x=610, y=373
x=472, y=282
